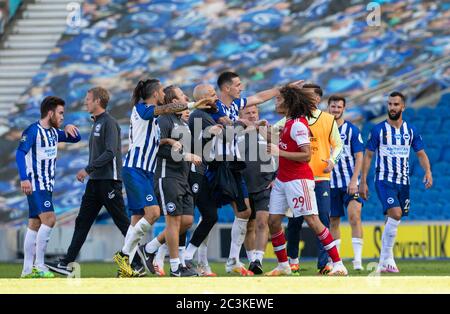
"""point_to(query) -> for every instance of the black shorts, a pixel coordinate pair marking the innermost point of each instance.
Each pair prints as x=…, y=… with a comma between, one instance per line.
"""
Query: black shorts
x=259, y=202
x=195, y=184
x=175, y=197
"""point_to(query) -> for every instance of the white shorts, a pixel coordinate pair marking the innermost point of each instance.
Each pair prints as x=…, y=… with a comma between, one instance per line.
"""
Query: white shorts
x=298, y=195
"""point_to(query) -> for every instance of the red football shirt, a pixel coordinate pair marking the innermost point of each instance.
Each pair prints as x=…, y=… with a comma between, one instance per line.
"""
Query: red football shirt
x=294, y=135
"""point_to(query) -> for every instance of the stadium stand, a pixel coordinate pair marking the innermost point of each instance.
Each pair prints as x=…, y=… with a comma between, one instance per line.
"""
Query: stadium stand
x=120, y=42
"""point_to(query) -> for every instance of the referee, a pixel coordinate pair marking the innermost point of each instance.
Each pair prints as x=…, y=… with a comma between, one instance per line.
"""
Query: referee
x=104, y=187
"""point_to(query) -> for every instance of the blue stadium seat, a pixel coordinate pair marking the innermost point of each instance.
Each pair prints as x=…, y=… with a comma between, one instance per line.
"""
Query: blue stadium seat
x=409, y=114
x=445, y=101
x=445, y=154
x=433, y=154
x=431, y=125
x=440, y=168
x=442, y=112
x=226, y=214
x=425, y=112
x=445, y=127
x=419, y=125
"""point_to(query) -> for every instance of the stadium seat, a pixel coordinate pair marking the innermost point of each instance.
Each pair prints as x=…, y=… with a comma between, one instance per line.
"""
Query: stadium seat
x=445, y=127
x=425, y=112
x=409, y=114
x=431, y=125
x=445, y=154
x=444, y=101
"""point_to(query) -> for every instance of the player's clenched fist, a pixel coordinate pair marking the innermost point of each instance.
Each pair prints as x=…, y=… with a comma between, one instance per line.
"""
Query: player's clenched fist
x=273, y=149
x=26, y=187
x=364, y=190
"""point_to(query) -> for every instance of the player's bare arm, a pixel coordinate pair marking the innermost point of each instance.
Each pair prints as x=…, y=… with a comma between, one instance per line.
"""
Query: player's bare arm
x=425, y=164
x=176, y=146
x=268, y=94
x=170, y=108
x=363, y=188
x=225, y=121
x=304, y=155
x=353, y=185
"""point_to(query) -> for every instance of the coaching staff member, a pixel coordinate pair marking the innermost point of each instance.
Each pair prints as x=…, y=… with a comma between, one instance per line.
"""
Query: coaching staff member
x=104, y=187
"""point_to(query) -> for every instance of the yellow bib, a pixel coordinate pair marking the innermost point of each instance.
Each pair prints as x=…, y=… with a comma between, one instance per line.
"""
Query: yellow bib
x=321, y=129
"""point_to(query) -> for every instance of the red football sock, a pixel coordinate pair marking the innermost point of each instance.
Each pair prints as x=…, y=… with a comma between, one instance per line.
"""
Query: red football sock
x=328, y=243
x=279, y=246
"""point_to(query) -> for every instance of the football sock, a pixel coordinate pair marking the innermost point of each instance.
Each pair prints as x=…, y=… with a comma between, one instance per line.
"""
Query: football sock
x=152, y=246
x=388, y=239
x=337, y=242
x=259, y=255
x=181, y=250
x=251, y=255
x=29, y=251
x=43, y=235
x=202, y=254
x=161, y=254
x=174, y=264
x=190, y=251
x=137, y=233
x=328, y=243
x=357, y=244
x=238, y=231
x=279, y=246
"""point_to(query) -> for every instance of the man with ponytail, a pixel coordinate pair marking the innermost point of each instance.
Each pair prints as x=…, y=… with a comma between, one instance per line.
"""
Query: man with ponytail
x=172, y=187
x=294, y=185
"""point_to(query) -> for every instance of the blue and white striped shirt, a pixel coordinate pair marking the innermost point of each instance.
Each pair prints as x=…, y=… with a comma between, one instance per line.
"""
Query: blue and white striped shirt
x=40, y=147
x=231, y=112
x=221, y=148
x=392, y=147
x=144, y=138
x=353, y=143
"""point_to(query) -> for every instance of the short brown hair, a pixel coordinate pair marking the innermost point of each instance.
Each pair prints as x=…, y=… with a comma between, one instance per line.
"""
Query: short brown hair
x=100, y=93
x=169, y=94
x=49, y=104
x=336, y=98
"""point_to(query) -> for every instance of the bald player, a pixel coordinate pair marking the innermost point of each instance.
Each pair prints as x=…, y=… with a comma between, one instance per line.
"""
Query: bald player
x=203, y=127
